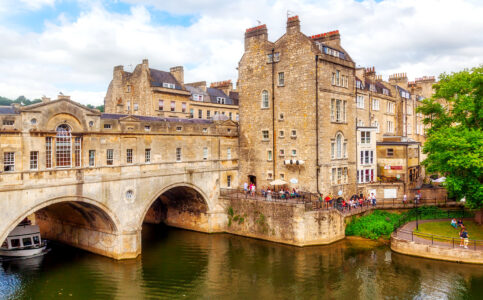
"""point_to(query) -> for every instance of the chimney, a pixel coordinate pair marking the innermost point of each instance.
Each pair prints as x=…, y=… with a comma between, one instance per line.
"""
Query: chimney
x=225, y=86
x=293, y=25
x=178, y=73
x=371, y=73
x=63, y=97
x=400, y=79
x=145, y=62
x=331, y=38
x=256, y=34
x=198, y=84
x=45, y=99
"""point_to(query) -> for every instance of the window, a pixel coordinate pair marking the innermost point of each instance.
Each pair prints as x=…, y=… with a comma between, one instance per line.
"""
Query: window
x=372, y=87
x=276, y=56
x=293, y=133
x=34, y=121
x=281, y=79
x=360, y=123
x=264, y=99
x=334, y=178
x=294, y=152
x=376, y=124
x=48, y=152
x=129, y=156
x=36, y=239
x=128, y=89
x=183, y=107
x=269, y=155
x=223, y=113
x=27, y=241
x=228, y=181
x=375, y=104
x=385, y=92
x=332, y=150
x=147, y=128
x=228, y=153
x=205, y=153
x=339, y=175
x=365, y=137
x=147, y=155
x=63, y=146
x=281, y=117
x=200, y=114
x=136, y=107
x=92, y=158
x=230, y=115
x=173, y=105
x=8, y=122
x=161, y=104
x=178, y=154
x=360, y=101
x=333, y=78
x=367, y=157
x=192, y=113
x=282, y=152
x=179, y=128
x=281, y=134
x=77, y=151
x=337, y=78
x=169, y=85
x=390, y=107
x=237, y=117
x=220, y=100
x=339, y=147
x=390, y=126
x=128, y=106
x=269, y=175
x=34, y=158
x=91, y=123
x=208, y=114
x=197, y=97
x=265, y=135
x=205, y=130
x=107, y=126
x=390, y=152
x=338, y=110
x=110, y=157
x=282, y=176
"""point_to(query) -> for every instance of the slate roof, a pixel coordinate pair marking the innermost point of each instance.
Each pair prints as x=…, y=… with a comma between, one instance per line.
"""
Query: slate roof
x=214, y=93
x=156, y=119
x=197, y=90
x=158, y=77
x=8, y=110
x=378, y=85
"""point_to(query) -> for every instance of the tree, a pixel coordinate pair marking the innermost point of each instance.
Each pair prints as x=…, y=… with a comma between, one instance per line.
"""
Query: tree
x=455, y=138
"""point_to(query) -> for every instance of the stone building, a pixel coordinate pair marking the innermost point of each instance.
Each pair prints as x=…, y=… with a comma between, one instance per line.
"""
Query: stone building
x=91, y=179
x=297, y=111
x=152, y=92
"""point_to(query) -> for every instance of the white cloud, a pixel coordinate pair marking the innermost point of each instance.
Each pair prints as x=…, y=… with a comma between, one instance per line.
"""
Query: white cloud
x=77, y=57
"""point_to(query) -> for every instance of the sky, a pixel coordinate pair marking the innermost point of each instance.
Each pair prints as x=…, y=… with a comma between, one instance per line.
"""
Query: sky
x=52, y=46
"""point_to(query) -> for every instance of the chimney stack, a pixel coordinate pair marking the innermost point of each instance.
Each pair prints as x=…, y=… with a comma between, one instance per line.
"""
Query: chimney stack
x=256, y=34
x=178, y=73
x=293, y=25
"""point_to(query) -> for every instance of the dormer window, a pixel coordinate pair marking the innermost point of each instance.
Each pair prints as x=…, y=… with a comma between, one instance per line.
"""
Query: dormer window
x=197, y=97
x=169, y=85
x=128, y=89
x=107, y=126
x=372, y=88
x=179, y=128
x=385, y=92
x=220, y=100
x=8, y=122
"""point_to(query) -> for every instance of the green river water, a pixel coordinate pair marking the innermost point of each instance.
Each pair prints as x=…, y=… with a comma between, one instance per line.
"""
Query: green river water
x=180, y=264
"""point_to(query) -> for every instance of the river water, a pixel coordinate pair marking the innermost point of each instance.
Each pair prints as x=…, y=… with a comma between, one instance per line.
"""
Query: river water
x=180, y=264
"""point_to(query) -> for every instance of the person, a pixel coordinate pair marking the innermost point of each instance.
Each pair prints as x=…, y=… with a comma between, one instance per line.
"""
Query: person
x=373, y=199
x=269, y=194
x=253, y=189
x=453, y=223
x=327, y=200
x=465, y=237
x=405, y=198
x=245, y=187
x=460, y=223
x=461, y=237
x=321, y=201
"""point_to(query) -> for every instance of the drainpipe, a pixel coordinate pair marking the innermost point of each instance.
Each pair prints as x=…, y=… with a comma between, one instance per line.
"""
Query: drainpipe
x=273, y=116
x=317, y=170
x=357, y=137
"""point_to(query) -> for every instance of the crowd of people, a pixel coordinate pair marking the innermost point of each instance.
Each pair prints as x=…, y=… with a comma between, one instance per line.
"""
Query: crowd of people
x=271, y=194
x=356, y=201
x=464, y=236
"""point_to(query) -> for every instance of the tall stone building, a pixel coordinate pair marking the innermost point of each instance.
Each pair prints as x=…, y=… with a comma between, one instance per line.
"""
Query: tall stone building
x=297, y=111
x=151, y=92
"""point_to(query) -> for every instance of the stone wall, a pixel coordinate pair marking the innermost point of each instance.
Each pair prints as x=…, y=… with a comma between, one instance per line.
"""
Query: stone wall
x=436, y=252
x=283, y=223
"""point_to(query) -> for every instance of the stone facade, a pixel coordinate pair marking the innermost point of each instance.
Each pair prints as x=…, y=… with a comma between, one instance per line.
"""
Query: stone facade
x=91, y=179
x=297, y=111
x=151, y=92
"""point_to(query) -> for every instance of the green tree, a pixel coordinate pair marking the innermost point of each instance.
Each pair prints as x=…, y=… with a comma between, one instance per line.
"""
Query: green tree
x=455, y=139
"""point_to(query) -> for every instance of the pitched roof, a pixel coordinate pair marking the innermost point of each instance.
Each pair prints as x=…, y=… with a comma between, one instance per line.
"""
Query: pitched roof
x=158, y=77
x=8, y=110
x=215, y=93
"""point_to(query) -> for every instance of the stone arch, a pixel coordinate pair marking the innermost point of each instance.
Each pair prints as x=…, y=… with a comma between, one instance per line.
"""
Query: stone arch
x=73, y=121
x=103, y=221
x=176, y=187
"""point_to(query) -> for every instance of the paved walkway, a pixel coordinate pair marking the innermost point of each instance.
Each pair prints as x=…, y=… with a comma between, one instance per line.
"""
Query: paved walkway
x=406, y=232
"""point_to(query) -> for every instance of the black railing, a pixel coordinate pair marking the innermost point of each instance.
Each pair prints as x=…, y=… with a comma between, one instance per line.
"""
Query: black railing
x=440, y=240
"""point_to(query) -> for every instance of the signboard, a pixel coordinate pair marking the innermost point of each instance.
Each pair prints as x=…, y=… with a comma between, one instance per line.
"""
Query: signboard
x=390, y=193
x=396, y=167
x=386, y=167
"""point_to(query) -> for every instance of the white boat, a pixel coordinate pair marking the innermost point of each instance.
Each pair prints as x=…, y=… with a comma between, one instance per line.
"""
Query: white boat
x=23, y=241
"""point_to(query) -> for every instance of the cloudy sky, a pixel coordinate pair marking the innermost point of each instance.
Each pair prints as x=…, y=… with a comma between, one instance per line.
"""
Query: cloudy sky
x=52, y=46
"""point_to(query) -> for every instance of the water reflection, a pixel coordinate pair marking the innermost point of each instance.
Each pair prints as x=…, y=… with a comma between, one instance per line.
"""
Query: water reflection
x=178, y=264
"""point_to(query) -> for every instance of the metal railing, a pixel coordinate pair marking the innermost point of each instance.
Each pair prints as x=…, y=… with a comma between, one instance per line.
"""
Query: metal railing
x=439, y=240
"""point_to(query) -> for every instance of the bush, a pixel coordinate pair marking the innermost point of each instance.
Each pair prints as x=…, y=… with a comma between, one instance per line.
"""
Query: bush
x=377, y=224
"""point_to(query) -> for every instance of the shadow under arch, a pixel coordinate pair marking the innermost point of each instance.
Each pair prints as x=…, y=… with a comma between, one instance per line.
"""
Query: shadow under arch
x=79, y=212
x=178, y=199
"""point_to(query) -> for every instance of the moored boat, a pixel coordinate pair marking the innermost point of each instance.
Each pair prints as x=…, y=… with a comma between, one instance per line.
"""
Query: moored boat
x=23, y=241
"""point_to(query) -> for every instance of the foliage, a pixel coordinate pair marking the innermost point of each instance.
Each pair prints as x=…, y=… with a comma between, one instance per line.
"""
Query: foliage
x=455, y=140
x=24, y=101
x=381, y=223
x=100, y=107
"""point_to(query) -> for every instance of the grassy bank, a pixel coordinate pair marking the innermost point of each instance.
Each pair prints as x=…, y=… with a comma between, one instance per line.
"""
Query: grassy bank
x=444, y=228
x=380, y=224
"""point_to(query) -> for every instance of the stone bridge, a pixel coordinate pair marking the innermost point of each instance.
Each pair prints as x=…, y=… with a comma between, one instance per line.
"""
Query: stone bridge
x=102, y=211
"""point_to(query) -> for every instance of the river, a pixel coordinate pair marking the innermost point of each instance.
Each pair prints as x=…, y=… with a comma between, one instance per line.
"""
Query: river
x=180, y=264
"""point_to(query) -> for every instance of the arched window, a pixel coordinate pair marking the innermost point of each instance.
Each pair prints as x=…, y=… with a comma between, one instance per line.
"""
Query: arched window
x=264, y=99
x=63, y=146
x=339, y=139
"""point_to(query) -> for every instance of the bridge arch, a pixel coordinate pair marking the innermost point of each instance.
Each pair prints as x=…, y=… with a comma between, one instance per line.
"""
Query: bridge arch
x=182, y=205
x=78, y=221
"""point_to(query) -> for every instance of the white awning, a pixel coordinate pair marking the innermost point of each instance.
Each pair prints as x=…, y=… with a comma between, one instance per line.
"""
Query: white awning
x=293, y=162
